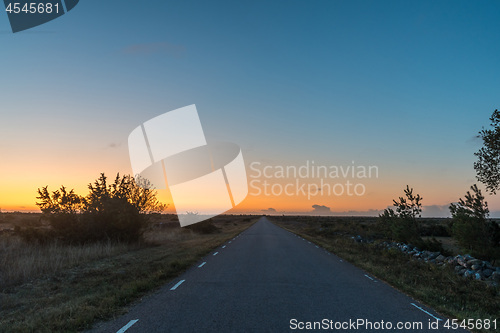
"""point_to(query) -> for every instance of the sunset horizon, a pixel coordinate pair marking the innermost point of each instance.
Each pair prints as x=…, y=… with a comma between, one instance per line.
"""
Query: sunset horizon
x=250, y=166
x=394, y=86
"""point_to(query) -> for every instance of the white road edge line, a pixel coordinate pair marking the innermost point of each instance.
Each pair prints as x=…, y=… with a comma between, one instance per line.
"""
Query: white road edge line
x=202, y=264
x=177, y=284
x=369, y=277
x=430, y=314
x=215, y=253
x=126, y=327
x=224, y=247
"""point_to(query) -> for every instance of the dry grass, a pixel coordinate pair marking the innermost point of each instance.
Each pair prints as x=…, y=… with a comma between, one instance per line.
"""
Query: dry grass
x=21, y=263
x=438, y=287
x=70, y=288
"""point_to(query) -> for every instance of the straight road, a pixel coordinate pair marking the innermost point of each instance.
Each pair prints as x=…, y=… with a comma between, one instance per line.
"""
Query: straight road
x=270, y=280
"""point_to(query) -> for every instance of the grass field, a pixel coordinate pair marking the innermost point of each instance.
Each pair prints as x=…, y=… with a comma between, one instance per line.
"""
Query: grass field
x=60, y=288
x=435, y=286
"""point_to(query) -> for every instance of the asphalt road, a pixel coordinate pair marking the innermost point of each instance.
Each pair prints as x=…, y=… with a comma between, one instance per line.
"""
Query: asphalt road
x=266, y=278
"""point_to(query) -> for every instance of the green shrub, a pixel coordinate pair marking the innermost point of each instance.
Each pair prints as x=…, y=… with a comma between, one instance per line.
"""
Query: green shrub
x=401, y=224
x=116, y=212
x=472, y=228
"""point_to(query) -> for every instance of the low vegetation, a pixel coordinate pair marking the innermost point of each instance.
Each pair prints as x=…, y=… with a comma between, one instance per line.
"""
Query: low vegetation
x=438, y=287
x=471, y=227
x=109, y=212
x=401, y=224
x=62, y=287
x=85, y=258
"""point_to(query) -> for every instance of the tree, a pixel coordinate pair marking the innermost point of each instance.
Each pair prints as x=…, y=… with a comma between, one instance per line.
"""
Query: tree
x=137, y=192
x=471, y=226
x=60, y=201
x=401, y=224
x=116, y=211
x=488, y=164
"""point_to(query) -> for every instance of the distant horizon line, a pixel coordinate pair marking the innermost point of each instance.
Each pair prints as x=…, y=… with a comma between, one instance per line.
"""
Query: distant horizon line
x=493, y=214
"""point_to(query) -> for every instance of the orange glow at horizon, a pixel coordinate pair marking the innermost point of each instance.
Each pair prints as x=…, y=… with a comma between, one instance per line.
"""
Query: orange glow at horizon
x=20, y=194
x=22, y=197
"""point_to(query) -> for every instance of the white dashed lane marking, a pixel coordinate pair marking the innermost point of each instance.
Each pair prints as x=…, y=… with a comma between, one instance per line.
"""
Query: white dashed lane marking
x=177, y=284
x=202, y=264
x=370, y=278
x=126, y=327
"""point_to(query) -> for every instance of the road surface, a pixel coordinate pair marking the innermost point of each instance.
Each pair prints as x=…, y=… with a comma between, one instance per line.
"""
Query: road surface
x=269, y=280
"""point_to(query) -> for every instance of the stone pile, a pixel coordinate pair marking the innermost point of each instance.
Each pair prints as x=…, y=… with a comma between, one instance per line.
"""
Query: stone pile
x=464, y=265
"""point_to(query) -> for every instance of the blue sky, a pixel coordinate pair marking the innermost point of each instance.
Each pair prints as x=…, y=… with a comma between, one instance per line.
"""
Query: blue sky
x=404, y=85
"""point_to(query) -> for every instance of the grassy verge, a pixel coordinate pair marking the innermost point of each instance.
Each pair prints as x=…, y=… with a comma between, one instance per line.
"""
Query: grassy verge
x=76, y=295
x=437, y=287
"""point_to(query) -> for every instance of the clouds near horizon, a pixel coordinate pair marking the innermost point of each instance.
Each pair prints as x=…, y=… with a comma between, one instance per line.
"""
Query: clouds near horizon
x=321, y=209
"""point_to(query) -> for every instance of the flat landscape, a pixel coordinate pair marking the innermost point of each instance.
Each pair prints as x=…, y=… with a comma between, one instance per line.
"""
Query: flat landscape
x=334, y=165
x=234, y=274
x=57, y=287
x=271, y=280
